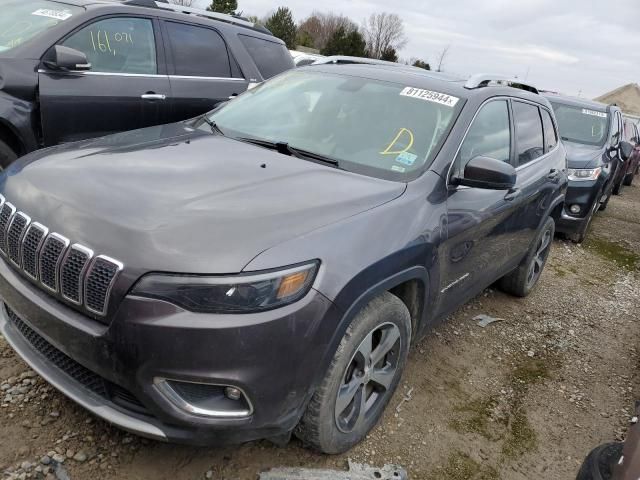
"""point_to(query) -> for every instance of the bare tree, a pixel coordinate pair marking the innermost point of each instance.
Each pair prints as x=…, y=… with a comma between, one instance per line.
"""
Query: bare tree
x=383, y=31
x=182, y=3
x=320, y=27
x=442, y=57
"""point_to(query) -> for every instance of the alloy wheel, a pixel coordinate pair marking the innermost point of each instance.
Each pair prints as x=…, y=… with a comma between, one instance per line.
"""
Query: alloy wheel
x=368, y=377
x=539, y=258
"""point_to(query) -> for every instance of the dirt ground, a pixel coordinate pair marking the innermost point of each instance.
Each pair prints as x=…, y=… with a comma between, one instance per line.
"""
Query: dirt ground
x=526, y=397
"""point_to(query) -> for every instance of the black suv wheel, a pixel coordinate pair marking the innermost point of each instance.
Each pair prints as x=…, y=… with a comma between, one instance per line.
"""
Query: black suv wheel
x=361, y=379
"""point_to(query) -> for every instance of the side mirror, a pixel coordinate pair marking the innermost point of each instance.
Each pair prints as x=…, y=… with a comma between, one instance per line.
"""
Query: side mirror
x=626, y=150
x=65, y=58
x=489, y=173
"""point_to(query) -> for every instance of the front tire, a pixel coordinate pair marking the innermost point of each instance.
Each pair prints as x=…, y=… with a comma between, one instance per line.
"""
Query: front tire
x=361, y=379
x=524, y=278
x=7, y=155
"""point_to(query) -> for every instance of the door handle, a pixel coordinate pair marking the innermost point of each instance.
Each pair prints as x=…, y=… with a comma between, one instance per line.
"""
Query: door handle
x=554, y=175
x=153, y=96
x=512, y=194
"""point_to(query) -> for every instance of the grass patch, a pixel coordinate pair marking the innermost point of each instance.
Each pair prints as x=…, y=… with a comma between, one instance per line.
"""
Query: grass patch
x=504, y=418
x=462, y=467
x=614, y=252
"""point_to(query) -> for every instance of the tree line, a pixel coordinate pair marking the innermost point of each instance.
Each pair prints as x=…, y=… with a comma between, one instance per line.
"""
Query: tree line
x=380, y=36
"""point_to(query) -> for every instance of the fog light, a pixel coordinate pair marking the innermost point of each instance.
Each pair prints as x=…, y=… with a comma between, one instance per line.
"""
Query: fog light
x=233, y=393
x=574, y=209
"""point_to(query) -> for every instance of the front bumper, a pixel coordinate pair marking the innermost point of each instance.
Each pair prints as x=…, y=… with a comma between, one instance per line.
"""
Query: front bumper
x=274, y=357
x=584, y=194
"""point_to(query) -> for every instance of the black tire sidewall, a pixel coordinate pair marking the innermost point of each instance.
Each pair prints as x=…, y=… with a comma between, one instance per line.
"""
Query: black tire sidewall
x=386, y=308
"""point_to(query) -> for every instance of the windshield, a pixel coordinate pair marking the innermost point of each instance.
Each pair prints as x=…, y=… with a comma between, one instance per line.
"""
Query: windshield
x=581, y=125
x=372, y=127
x=22, y=19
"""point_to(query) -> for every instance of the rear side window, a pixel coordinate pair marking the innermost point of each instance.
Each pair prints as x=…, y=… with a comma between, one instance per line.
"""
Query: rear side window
x=489, y=135
x=629, y=131
x=271, y=58
x=550, y=135
x=198, y=51
x=118, y=45
x=529, y=138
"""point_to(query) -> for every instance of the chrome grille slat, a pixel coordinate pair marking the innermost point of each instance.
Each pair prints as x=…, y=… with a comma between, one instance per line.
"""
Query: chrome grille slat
x=70, y=273
x=74, y=266
x=31, y=244
x=50, y=257
x=15, y=234
x=6, y=214
x=99, y=282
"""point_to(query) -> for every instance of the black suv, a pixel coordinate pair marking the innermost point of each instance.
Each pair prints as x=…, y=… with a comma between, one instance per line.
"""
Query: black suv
x=265, y=268
x=77, y=69
x=596, y=152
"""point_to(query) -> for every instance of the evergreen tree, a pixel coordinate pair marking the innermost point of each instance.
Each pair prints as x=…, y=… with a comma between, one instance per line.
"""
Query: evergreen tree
x=389, y=54
x=345, y=43
x=281, y=24
x=223, y=6
x=422, y=64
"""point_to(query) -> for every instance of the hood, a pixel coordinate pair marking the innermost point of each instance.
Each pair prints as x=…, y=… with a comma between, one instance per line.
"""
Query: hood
x=580, y=155
x=174, y=199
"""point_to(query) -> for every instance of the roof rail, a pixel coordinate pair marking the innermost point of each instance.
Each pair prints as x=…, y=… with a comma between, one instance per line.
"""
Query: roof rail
x=164, y=5
x=485, y=80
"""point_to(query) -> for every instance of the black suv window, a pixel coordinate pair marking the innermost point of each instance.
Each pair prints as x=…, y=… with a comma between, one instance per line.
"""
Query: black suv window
x=118, y=45
x=550, y=134
x=271, y=58
x=529, y=143
x=198, y=51
x=489, y=135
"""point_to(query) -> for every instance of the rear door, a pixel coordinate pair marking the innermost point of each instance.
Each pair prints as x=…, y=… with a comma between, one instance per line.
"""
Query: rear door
x=539, y=166
x=125, y=89
x=478, y=244
x=202, y=72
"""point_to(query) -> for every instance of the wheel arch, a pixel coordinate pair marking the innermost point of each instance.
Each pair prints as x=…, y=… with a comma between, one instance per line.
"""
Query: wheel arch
x=12, y=138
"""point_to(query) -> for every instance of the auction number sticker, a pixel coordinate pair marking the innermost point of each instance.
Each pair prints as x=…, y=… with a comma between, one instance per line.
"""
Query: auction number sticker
x=594, y=113
x=429, y=96
x=57, y=14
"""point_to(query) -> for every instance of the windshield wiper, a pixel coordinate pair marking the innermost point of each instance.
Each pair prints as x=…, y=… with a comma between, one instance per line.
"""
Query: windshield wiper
x=214, y=128
x=286, y=149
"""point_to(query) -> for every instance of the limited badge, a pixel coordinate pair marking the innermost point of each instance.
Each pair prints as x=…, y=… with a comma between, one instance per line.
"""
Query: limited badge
x=406, y=158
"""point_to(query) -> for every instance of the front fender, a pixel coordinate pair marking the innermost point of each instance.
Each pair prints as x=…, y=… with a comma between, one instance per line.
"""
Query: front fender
x=17, y=117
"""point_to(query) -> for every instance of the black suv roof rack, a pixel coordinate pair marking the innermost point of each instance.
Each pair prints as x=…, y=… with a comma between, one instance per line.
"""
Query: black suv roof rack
x=165, y=5
x=481, y=80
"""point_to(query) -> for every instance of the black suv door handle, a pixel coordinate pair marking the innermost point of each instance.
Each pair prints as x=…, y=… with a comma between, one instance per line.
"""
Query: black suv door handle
x=554, y=175
x=153, y=96
x=512, y=194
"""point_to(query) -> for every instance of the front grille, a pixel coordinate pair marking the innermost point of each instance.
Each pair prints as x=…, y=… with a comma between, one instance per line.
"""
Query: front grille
x=16, y=230
x=70, y=273
x=87, y=378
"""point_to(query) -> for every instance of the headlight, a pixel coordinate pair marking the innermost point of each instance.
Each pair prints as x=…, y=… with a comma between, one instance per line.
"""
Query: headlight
x=245, y=293
x=584, y=174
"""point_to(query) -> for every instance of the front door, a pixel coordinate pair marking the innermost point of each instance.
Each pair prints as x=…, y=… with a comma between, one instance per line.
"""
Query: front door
x=122, y=91
x=478, y=240
x=201, y=70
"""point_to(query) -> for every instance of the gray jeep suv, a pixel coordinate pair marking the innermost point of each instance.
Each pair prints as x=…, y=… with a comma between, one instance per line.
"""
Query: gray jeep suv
x=265, y=269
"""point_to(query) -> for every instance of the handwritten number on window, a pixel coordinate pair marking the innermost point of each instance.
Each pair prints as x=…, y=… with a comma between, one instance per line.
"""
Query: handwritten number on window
x=106, y=42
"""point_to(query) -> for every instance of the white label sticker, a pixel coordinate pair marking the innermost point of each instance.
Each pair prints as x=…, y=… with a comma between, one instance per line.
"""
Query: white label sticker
x=594, y=113
x=57, y=14
x=429, y=96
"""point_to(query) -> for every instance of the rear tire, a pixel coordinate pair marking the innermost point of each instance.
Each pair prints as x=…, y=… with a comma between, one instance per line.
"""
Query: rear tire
x=349, y=402
x=7, y=155
x=628, y=179
x=524, y=278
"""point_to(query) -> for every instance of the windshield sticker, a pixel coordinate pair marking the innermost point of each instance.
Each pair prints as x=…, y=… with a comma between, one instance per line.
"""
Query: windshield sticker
x=56, y=14
x=429, y=96
x=406, y=158
x=594, y=113
x=400, y=144
x=396, y=168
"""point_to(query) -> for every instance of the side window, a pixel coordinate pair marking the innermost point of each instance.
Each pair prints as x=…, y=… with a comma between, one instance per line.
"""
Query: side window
x=118, y=45
x=529, y=139
x=550, y=134
x=198, y=51
x=629, y=131
x=271, y=58
x=615, y=129
x=489, y=135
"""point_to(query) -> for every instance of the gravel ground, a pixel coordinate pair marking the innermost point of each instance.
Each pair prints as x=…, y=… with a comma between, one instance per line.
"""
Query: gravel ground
x=525, y=397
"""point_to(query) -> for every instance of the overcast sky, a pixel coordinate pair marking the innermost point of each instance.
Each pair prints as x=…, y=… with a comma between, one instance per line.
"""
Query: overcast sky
x=573, y=46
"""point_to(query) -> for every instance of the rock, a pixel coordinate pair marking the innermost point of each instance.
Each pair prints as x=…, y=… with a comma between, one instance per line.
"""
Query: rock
x=208, y=475
x=45, y=460
x=127, y=440
x=70, y=453
x=54, y=414
x=80, y=457
x=59, y=458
